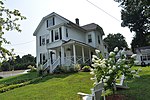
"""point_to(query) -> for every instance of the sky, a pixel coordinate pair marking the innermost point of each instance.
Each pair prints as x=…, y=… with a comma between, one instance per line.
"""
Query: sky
x=105, y=13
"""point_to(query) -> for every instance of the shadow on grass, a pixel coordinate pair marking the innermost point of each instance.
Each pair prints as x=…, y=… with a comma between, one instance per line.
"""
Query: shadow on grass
x=26, y=79
x=51, y=76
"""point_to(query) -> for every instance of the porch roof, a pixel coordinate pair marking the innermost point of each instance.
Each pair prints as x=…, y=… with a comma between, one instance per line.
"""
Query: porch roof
x=64, y=43
x=71, y=41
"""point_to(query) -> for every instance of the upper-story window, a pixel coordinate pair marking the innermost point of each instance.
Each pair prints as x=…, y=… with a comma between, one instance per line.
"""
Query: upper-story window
x=99, y=39
x=56, y=35
x=47, y=39
x=50, y=22
x=42, y=40
x=89, y=38
x=66, y=32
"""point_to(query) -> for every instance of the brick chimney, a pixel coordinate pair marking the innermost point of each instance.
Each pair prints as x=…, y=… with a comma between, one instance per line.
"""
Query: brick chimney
x=77, y=21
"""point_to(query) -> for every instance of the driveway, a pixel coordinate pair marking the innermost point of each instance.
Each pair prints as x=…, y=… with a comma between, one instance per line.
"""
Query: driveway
x=13, y=73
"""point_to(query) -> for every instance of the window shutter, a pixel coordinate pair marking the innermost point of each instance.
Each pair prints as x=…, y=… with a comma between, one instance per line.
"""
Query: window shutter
x=40, y=40
x=60, y=31
x=40, y=58
x=47, y=23
x=52, y=36
x=53, y=21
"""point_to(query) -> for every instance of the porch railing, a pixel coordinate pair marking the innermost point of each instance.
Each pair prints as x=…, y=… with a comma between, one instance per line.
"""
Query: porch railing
x=55, y=64
x=69, y=60
x=46, y=65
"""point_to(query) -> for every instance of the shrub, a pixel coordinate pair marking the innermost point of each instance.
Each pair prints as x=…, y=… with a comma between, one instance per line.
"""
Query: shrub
x=77, y=67
x=86, y=69
x=108, y=70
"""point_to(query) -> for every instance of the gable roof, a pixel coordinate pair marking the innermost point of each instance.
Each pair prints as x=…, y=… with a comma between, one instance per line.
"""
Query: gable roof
x=85, y=28
x=92, y=27
x=44, y=18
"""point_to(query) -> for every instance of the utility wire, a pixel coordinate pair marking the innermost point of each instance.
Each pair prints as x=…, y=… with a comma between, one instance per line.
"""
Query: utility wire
x=103, y=10
x=19, y=43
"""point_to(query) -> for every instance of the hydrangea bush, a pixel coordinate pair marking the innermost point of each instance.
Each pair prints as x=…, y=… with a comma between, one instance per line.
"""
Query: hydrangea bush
x=108, y=70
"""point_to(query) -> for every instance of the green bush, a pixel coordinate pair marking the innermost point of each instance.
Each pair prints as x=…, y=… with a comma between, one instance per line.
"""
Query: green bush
x=86, y=69
x=65, y=69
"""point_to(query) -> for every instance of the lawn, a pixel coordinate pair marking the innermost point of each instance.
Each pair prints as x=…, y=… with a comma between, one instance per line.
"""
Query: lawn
x=52, y=87
x=66, y=86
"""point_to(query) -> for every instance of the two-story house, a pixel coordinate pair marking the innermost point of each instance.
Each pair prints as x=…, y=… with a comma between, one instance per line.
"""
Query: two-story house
x=62, y=42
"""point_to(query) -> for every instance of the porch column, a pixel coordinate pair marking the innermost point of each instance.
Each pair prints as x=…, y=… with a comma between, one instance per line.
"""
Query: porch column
x=90, y=54
x=83, y=55
x=62, y=55
x=74, y=53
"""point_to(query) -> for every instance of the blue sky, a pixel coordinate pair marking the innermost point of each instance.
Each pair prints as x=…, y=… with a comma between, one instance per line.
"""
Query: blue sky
x=35, y=10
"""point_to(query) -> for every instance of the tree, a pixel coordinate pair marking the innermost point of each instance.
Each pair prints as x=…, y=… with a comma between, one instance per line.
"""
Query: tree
x=115, y=40
x=18, y=63
x=135, y=14
x=8, y=22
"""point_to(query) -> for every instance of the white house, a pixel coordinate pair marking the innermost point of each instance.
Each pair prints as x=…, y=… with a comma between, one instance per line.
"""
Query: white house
x=62, y=42
x=143, y=55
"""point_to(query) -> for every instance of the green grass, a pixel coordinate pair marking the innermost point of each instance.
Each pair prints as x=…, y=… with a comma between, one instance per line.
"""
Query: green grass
x=18, y=78
x=66, y=86
x=139, y=87
x=52, y=87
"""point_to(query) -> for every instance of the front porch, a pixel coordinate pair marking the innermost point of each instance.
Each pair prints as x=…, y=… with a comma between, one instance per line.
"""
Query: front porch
x=69, y=54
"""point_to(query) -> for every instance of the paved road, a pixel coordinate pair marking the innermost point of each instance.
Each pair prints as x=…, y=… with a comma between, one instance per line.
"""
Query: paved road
x=13, y=73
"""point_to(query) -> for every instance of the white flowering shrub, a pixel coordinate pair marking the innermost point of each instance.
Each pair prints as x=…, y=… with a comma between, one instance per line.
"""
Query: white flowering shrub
x=108, y=70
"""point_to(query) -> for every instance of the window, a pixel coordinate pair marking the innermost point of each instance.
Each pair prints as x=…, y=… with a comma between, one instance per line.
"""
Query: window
x=66, y=32
x=47, y=38
x=98, y=39
x=56, y=35
x=144, y=58
x=47, y=41
x=50, y=22
x=43, y=41
x=148, y=57
x=89, y=38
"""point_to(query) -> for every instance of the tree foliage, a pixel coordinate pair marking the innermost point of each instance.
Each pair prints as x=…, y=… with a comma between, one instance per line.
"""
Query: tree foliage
x=135, y=14
x=115, y=40
x=18, y=63
x=8, y=22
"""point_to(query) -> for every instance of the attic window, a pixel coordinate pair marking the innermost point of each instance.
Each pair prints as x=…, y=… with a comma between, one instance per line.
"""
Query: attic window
x=66, y=32
x=56, y=35
x=50, y=22
x=89, y=38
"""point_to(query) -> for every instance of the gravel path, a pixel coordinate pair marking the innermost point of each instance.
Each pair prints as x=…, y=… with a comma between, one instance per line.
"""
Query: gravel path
x=13, y=73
